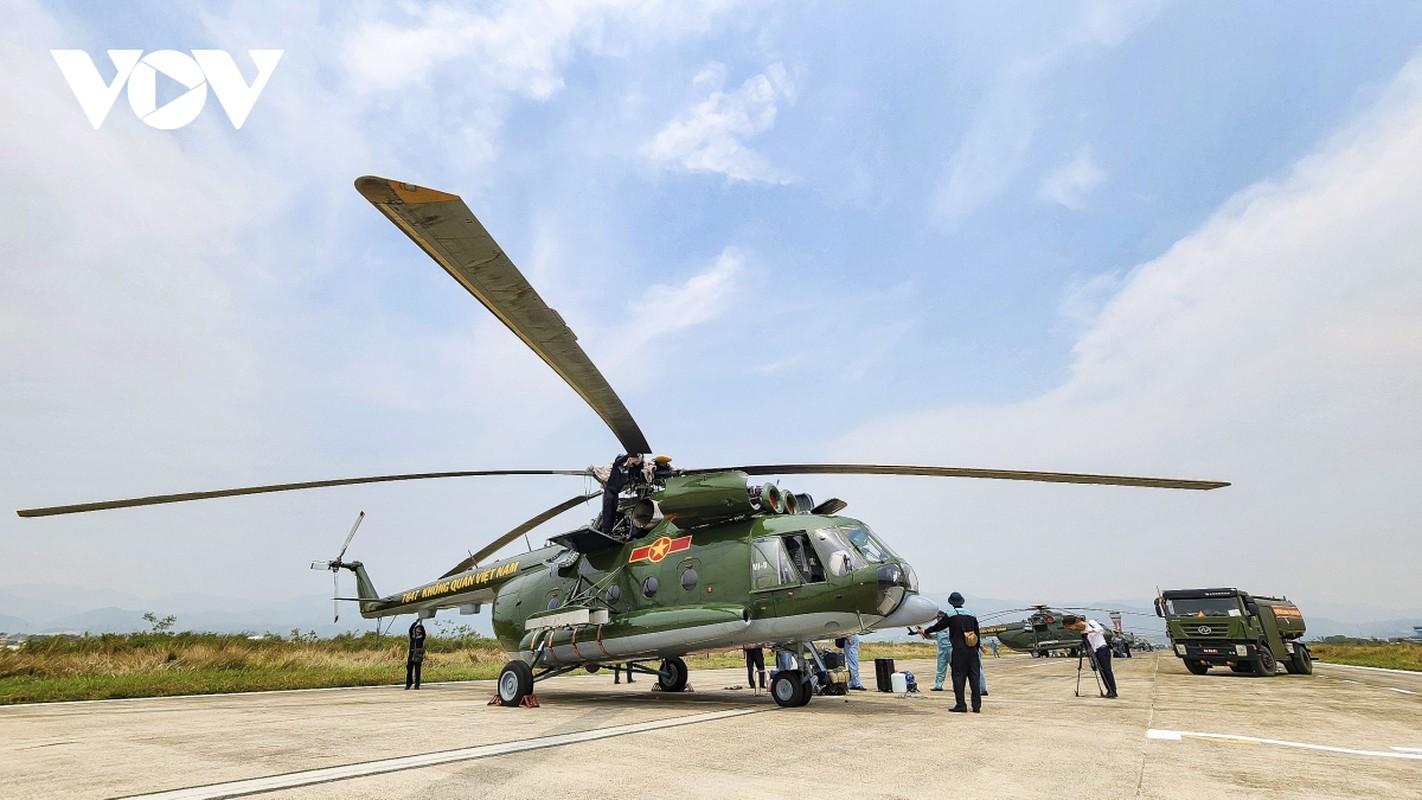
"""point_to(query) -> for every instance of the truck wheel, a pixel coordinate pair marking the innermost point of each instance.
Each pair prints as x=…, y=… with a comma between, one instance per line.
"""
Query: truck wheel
x=1301, y=663
x=1264, y=663
x=1197, y=667
x=1240, y=666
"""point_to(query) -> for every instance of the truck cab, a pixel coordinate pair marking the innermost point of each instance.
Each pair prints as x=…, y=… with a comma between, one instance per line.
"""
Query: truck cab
x=1228, y=627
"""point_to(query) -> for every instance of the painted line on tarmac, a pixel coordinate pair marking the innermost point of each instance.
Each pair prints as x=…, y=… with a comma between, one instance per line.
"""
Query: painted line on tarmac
x=1372, y=669
x=1407, y=749
x=292, y=780
x=1399, y=691
x=1175, y=736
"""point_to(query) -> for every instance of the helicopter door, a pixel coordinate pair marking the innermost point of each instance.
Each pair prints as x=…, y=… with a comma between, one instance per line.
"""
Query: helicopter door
x=771, y=565
x=771, y=573
x=805, y=559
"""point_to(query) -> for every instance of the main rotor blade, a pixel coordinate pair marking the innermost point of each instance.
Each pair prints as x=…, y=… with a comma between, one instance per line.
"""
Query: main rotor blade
x=444, y=227
x=498, y=544
x=966, y=472
x=183, y=497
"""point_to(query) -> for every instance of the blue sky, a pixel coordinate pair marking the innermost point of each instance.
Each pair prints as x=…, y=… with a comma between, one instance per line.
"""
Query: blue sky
x=1150, y=238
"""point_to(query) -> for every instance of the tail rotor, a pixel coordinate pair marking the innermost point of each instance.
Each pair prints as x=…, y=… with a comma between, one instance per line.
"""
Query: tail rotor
x=335, y=566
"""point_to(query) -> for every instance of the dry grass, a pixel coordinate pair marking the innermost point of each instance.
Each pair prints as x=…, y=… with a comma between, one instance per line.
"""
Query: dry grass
x=151, y=665
x=160, y=664
x=1389, y=655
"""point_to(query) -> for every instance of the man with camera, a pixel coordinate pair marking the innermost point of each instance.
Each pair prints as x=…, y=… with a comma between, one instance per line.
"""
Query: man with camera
x=1095, y=636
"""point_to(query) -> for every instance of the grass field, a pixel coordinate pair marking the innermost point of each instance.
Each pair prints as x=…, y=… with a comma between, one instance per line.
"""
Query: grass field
x=160, y=664
x=1389, y=655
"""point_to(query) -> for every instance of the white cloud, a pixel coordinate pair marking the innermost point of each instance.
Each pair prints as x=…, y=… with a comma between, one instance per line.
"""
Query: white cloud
x=711, y=135
x=700, y=299
x=1279, y=347
x=1069, y=185
x=994, y=149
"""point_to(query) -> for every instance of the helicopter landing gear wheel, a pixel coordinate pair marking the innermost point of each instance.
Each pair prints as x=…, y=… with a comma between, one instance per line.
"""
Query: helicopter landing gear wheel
x=672, y=676
x=515, y=683
x=789, y=689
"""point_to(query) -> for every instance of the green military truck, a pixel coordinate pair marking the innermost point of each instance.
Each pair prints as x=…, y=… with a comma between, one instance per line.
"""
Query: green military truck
x=1228, y=627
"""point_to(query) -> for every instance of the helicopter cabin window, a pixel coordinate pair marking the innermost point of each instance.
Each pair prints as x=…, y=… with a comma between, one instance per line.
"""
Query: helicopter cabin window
x=649, y=586
x=612, y=595
x=770, y=564
x=552, y=600
x=689, y=578
x=866, y=543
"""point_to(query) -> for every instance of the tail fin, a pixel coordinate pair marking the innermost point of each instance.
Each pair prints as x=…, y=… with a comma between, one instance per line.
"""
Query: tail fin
x=365, y=590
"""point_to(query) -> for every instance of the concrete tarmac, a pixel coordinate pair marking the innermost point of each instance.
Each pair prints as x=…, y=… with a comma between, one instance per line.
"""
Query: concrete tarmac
x=1340, y=733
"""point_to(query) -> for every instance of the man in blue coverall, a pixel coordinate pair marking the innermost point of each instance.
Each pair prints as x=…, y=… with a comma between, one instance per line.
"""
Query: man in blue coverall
x=945, y=651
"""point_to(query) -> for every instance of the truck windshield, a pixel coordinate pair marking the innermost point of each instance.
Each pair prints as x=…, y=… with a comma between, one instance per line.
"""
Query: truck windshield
x=1204, y=607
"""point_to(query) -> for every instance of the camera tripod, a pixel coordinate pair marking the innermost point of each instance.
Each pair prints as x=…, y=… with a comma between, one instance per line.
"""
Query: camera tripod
x=1088, y=655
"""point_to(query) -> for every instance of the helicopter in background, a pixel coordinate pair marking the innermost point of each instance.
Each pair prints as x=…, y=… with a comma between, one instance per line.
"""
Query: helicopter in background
x=1044, y=633
x=677, y=560
x=1041, y=633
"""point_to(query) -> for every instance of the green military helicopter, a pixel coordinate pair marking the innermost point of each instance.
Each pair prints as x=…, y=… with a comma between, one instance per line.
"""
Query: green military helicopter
x=1044, y=632
x=679, y=560
x=1041, y=633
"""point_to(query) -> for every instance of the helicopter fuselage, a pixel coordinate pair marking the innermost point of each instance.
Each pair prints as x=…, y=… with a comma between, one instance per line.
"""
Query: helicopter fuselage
x=758, y=580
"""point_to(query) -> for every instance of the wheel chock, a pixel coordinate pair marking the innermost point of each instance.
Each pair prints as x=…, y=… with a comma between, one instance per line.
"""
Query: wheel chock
x=529, y=701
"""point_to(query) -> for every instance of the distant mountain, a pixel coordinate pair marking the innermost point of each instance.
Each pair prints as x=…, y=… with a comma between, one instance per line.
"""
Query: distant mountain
x=1138, y=616
x=68, y=609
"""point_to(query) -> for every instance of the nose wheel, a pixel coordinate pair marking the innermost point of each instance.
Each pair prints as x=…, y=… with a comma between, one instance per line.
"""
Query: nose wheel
x=789, y=688
x=515, y=683
x=672, y=676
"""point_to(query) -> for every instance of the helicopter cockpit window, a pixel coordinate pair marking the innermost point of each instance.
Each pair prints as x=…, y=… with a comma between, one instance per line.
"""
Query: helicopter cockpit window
x=770, y=564
x=867, y=543
x=835, y=551
x=1204, y=607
